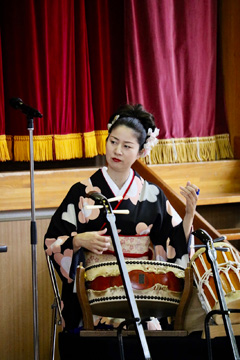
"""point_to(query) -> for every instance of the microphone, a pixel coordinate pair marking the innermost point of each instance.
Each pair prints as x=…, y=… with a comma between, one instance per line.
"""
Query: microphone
x=17, y=103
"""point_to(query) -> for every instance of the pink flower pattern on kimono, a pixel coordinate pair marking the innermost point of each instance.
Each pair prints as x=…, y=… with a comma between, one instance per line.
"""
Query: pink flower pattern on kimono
x=84, y=214
x=171, y=252
x=54, y=245
x=176, y=219
x=89, y=186
x=143, y=229
x=64, y=261
x=135, y=190
x=160, y=253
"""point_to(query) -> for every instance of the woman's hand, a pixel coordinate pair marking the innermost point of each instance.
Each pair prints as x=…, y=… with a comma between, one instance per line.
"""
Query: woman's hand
x=190, y=192
x=94, y=241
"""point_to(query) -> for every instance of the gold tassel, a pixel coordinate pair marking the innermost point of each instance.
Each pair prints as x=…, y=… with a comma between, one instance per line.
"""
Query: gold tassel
x=9, y=139
x=21, y=148
x=90, y=144
x=223, y=143
x=4, y=149
x=101, y=137
x=42, y=148
x=195, y=149
x=68, y=146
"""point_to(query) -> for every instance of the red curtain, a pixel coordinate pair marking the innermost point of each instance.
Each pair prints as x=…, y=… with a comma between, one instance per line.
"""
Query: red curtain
x=2, y=110
x=76, y=61
x=179, y=66
x=39, y=63
x=105, y=27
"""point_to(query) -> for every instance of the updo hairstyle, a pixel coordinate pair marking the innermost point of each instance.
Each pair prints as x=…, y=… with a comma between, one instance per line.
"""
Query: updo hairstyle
x=134, y=117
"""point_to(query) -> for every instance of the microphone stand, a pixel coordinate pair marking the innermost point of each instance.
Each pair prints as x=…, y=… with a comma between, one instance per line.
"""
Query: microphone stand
x=30, y=126
x=136, y=320
x=3, y=248
x=30, y=113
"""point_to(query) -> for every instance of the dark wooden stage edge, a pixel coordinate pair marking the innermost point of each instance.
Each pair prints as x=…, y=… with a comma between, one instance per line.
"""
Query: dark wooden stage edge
x=163, y=345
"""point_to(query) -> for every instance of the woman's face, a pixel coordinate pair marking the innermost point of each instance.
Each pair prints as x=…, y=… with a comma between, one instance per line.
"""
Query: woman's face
x=122, y=148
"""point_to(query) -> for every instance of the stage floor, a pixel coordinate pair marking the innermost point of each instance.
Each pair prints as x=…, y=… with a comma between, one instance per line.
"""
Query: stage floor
x=169, y=345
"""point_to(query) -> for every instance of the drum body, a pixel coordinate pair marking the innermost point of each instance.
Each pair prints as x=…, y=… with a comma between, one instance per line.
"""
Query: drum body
x=157, y=288
x=229, y=271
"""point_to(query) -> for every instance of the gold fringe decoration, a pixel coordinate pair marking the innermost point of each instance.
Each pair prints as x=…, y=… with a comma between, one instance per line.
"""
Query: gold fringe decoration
x=224, y=147
x=90, y=144
x=5, y=154
x=10, y=145
x=68, y=146
x=42, y=148
x=196, y=149
x=101, y=137
x=21, y=148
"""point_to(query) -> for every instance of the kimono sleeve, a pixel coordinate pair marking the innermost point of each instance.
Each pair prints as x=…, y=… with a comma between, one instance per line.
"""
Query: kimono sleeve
x=58, y=240
x=168, y=234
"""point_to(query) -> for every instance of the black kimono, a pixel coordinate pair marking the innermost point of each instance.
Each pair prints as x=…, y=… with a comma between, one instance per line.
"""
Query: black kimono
x=150, y=215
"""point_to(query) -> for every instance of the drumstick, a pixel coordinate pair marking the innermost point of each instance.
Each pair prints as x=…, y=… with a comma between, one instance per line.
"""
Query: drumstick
x=117, y=198
x=126, y=212
x=203, y=246
x=90, y=207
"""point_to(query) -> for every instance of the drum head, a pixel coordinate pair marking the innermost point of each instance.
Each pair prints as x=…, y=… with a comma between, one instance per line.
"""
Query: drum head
x=119, y=308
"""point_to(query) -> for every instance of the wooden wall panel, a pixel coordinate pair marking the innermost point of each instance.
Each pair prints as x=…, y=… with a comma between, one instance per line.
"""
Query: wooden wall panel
x=50, y=187
x=16, y=326
x=229, y=32
x=237, y=147
x=219, y=182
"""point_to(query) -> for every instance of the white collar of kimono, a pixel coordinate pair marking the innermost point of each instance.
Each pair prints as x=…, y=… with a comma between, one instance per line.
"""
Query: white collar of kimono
x=113, y=186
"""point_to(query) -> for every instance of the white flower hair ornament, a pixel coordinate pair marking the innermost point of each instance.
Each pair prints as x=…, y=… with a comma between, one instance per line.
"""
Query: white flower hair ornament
x=150, y=142
x=116, y=117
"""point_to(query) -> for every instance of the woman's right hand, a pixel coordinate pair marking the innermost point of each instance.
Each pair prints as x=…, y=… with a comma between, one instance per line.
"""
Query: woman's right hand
x=94, y=241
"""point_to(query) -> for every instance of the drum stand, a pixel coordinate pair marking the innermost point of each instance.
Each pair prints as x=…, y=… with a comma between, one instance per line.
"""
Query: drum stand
x=56, y=306
x=211, y=253
x=136, y=320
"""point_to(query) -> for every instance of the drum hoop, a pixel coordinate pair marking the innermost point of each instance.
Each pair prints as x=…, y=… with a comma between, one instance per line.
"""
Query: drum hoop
x=203, y=250
x=133, y=262
x=137, y=297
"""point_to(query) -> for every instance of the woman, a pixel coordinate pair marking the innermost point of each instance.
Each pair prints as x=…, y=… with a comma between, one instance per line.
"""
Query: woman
x=75, y=231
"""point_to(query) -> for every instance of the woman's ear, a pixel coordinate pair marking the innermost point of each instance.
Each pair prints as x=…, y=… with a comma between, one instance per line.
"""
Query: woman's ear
x=140, y=153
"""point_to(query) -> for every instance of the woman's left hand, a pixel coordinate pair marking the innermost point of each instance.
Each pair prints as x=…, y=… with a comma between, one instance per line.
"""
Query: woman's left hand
x=190, y=192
